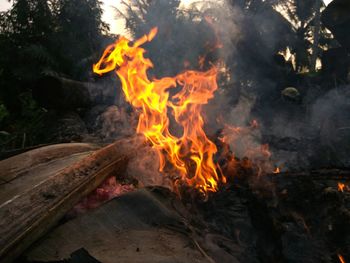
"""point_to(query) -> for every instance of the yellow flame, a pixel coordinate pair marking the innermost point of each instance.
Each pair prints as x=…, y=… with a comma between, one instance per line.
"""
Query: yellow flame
x=191, y=154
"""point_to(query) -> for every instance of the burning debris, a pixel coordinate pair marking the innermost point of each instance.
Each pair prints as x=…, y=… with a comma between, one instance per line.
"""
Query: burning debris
x=213, y=174
x=341, y=259
x=274, y=218
x=190, y=154
x=108, y=190
x=343, y=187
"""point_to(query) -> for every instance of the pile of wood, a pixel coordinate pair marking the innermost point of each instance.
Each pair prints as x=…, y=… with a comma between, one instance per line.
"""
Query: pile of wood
x=286, y=217
x=39, y=187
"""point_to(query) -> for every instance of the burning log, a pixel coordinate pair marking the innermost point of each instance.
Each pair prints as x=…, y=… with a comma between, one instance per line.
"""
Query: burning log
x=247, y=214
x=30, y=214
x=269, y=218
x=61, y=93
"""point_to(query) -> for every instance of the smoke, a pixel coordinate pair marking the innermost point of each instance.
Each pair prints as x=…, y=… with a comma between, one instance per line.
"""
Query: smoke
x=331, y=121
x=184, y=34
x=309, y=132
x=209, y=30
x=144, y=167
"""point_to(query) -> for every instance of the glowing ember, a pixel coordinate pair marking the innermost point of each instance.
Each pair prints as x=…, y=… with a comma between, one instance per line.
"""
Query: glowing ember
x=109, y=189
x=190, y=154
x=254, y=154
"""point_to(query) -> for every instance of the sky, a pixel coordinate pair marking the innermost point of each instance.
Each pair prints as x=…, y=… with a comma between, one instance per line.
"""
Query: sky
x=116, y=25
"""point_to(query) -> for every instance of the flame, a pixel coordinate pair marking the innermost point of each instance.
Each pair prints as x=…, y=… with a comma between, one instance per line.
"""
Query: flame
x=211, y=46
x=191, y=154
x=341, y=187
x=277, y=170
x=242, y=142
x=341, y=258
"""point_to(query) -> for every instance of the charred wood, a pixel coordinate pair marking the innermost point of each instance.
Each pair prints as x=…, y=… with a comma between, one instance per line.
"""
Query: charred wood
x=286, y=217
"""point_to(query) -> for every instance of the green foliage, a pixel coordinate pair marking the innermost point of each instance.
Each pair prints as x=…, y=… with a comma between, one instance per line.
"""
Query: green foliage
x=304, y=18
x=3, y=112
x=39, y=37
x=80, y=32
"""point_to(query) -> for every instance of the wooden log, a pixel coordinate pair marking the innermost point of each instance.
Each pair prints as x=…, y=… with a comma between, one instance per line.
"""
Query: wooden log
x=31, y=214
x=35, y=175
x=54, y=92
x=17, y=165
x=13, y=152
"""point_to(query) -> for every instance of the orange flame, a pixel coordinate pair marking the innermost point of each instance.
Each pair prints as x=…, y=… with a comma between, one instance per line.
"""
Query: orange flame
x=341, y=187
x=277, y=170
x=258, y=155
x=191, y=154
x=341, y=258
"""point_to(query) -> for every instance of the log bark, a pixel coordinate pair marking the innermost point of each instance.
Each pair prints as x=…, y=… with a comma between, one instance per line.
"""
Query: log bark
x=31, y=214
x=15, y=166
x=53, y=92
x=316, y=35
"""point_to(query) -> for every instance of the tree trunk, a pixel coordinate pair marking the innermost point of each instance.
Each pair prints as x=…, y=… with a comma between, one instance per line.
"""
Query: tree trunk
x=316, y=33
x=53, y=92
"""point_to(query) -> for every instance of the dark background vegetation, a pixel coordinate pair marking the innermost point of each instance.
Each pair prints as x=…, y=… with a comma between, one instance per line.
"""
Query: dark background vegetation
x=39, y=37
x=63, y=38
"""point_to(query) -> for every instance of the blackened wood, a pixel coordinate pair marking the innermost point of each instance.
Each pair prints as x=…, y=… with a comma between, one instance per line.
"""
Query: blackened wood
x=31, y=214
x=324, y=174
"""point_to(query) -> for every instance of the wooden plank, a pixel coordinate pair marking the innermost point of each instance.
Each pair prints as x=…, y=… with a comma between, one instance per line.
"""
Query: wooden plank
x=36, y=175
x=31, y=214
x=17, y=165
